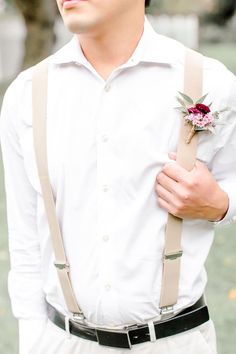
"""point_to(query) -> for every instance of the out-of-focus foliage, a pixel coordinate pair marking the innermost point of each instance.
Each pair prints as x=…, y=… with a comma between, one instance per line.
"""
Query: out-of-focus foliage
x=223, y=10
x=39, y=16
x=217, y=11
x=180, y=6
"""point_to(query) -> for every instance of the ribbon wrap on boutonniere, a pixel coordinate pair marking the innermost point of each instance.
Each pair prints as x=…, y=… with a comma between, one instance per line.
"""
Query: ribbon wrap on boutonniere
x=198, y=115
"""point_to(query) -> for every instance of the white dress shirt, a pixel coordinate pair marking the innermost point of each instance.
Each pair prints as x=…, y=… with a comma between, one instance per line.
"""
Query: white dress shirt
x=107, y=141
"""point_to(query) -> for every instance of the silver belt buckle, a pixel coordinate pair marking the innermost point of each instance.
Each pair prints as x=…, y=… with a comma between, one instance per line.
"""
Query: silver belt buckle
x=113, y=338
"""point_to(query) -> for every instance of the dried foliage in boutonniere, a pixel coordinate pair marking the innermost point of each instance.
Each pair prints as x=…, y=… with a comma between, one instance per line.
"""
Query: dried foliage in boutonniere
x=198, y=115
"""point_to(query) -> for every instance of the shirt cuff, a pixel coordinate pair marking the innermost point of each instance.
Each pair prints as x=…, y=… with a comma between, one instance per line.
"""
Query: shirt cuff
x=29, y=332
x=230, y=216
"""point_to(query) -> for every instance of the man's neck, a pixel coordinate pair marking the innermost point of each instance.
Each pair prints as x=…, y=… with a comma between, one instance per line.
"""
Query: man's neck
x=112, y=47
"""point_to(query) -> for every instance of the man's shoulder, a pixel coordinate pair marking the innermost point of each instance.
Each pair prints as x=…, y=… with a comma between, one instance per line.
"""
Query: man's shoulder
x=220, y=79
x=213, y=65
x=21, y=79
x=176, y=50
x=26, y=75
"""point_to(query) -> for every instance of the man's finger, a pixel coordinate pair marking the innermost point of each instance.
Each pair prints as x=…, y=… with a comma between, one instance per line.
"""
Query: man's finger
x=163, y=193
x=167, y=182
x=164, y=205
x=173, y=156
x=175, y=172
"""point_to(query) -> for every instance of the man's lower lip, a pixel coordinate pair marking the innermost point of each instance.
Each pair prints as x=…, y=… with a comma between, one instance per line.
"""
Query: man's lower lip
x=71, y=3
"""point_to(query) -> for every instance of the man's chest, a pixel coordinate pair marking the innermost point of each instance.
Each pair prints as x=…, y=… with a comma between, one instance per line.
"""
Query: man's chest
x=121, y=130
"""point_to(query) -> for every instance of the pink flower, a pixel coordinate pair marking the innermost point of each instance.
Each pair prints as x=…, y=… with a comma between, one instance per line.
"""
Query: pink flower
x=200, y=120
x=209, y=119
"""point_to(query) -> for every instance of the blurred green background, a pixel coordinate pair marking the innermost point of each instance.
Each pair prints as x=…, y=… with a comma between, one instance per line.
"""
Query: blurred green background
x=217, y=29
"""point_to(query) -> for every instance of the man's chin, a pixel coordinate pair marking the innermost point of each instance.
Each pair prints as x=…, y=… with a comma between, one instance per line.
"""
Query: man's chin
x=74, y=27
x=77, y=26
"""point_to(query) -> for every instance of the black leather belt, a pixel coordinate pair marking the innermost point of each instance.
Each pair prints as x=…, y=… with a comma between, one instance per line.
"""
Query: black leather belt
x=190, y=317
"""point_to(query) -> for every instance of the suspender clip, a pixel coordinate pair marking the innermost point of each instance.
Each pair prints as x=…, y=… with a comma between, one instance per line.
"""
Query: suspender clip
x=62, y=265
x=172, y=256
x=78, y=317
x=167, y=311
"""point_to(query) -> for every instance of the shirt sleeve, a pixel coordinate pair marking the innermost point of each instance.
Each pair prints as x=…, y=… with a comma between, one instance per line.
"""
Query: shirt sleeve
x=24, y=277
x=224, y=162
x=30, y=331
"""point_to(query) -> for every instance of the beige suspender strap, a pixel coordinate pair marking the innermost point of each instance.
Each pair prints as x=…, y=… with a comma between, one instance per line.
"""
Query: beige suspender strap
x=39, y=107
x=186, y=156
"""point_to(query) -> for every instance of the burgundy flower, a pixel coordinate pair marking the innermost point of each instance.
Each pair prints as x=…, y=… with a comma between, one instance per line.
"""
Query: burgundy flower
x=203, y=108
x=194, y=110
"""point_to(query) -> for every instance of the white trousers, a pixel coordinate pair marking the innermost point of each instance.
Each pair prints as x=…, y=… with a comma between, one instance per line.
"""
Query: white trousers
x=200, y=340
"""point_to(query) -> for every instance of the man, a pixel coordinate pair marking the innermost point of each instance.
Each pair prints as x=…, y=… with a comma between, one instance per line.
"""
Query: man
x=112, y=137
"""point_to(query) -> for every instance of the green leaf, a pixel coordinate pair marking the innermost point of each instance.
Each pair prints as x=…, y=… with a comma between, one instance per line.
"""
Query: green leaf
x=216, y=115
x=181, y=102
x=224, y=110
x=217, y=123
x=182, y=110
x=186, y=98
x=201, y=100
x=211, y=129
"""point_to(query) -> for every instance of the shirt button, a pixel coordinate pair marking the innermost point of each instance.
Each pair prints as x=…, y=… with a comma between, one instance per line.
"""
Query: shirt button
x=234, y=218
x=104, y=138
x=108, y=287
x=105, y=188
x=107, y=88
x=105, y=238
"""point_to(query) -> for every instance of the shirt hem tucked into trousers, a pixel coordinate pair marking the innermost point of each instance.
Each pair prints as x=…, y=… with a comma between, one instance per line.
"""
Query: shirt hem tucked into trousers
x=200, y=340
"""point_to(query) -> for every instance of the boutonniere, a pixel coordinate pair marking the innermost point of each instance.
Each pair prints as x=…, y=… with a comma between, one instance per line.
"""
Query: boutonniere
x=198, y=115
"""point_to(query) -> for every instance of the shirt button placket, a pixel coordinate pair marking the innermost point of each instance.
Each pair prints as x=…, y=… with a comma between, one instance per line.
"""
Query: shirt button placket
x=107, y=87
x=105, y=188
x=105, y=238
x=104, y=138
x=108, y=287
x=103, y=165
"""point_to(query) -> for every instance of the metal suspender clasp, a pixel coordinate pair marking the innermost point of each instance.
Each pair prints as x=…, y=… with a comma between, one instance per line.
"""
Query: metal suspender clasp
x=78, y=317
x=167, y=310
x=172, y=256
x=62, y=265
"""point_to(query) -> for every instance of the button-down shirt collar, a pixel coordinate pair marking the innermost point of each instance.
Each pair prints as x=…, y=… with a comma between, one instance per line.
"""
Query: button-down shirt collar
x=152, y=47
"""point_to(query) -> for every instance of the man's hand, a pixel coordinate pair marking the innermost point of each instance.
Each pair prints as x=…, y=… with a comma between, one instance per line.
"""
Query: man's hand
x=193, y=194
